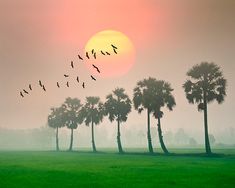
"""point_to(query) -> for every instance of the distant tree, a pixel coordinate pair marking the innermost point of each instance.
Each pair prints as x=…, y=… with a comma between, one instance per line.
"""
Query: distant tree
x=212, y=139
x=168, y=137
x=117, y=107
x=205, y=84
x=163, y=97
x=144, y=94
x=56, y=120
x=181, y=137
x=72, y=118
x=92, y=113
x=192, y=142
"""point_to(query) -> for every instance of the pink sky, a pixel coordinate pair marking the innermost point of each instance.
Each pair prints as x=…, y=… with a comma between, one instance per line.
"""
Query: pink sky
x=39, y=38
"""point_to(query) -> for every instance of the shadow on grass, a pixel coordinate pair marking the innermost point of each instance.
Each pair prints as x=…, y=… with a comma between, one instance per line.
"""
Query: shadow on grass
x=213, y=155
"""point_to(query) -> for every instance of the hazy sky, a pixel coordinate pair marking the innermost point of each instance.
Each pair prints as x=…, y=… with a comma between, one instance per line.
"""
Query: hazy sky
x=38, y=39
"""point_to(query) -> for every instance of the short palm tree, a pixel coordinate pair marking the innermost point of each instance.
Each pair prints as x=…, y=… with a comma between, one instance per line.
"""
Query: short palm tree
x=56, y=120
x=92, y=113
x=144, y=95
x=163, y=97
x=117, y=107
x=72, y=118
x=205, y=84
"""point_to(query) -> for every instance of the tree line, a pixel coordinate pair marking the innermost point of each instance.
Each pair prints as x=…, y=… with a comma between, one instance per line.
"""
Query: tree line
x=205, y=83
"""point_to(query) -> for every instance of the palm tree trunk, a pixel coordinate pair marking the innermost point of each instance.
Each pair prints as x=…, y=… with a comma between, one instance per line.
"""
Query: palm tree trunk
x=71, y=141
x=207, y=142
x=57, y=139
x=161, y=137
x=119, y=138
x=92, y=137
x=149, y=134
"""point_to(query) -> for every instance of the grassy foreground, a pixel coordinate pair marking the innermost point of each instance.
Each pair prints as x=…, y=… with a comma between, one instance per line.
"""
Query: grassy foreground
x=83, y=169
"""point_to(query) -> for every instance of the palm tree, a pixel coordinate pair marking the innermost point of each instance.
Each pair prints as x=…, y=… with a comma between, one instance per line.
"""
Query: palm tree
x=144, y=95
x=92, y=112
x=205, y=84
x=72, y=119
x=117, y=107
x=56, y=120
x=163, y=97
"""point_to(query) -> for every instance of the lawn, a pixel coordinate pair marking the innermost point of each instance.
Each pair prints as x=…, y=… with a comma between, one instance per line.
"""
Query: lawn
x=109, y=169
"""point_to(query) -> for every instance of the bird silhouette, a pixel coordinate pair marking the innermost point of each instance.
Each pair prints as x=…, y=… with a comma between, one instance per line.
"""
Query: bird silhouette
x=43, y=87
x=95, y=55
x=40, y=83
x=98, y=70
x=77, y=79
x=66, y=75
x=114, y=47
x=25, y=91
x=80, y=57
x=21, y=94
x=67, y=84
x=102, y=52
x=83, y=85
x=72, y=64
x=87, y=55
x=114, y=50
x=92, y=51
x=93, y=78
x=58, y=85
x=30, y=87
x=107, y=53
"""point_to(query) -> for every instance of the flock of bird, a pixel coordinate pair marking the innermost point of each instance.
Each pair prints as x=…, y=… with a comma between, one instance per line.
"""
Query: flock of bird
x=88, y=56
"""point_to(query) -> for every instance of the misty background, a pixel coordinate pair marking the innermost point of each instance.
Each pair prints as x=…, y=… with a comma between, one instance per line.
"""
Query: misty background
x=39, y=39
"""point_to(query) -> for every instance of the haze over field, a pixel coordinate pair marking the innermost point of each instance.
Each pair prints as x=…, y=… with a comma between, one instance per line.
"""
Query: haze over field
x=38, y=39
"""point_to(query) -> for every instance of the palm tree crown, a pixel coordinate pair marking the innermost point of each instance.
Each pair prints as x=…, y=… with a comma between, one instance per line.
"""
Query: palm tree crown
x=205, y=78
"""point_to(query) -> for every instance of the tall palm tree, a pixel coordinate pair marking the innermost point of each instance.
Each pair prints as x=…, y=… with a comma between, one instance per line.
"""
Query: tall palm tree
x=117, y=107
x=163, y=97
x=92, y=113
x=144, y=95
x=72, y=119
x=205, y=84
x=56, y=120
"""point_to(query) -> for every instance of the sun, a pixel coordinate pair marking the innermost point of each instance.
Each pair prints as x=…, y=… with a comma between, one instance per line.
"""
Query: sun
x=115, y=64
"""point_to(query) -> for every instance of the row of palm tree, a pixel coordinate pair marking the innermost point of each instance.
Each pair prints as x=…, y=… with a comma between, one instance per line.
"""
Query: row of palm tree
x=205, y=84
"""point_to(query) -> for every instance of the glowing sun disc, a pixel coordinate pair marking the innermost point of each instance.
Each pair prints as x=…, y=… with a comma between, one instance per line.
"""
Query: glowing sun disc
x=114, y=64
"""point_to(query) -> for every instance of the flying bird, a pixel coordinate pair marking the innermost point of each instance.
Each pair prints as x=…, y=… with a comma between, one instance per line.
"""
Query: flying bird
x=87, y=55
x=66, y=75
x=114, y=50
x=58, y=84
x=114, y=47
x=40, y=83
x=102, y=52
x=67, y=84
x=43, y=87
x=21, y=94
x=72, y=64
x=83, y=85
x=93, y=78
x=92, y=51
x=30, y=87
x=95, y=55
x=98, y=70
x=107, y=53
x=77, y=79
x=80, y=57
x=25, y=91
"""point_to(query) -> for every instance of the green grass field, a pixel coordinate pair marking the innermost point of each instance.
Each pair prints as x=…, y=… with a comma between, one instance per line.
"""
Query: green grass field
x=109, y=169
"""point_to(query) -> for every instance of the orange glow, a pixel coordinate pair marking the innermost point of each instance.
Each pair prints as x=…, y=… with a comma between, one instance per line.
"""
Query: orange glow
x=114, y=64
